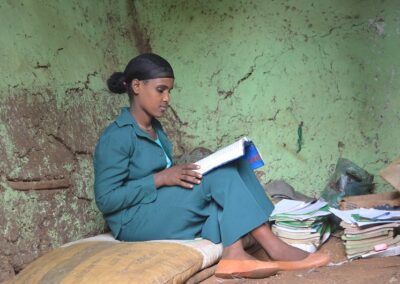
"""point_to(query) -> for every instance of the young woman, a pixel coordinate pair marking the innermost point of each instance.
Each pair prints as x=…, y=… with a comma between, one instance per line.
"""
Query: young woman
x=143, y=195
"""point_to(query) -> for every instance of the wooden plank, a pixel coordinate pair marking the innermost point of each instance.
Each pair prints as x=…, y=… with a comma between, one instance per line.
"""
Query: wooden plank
x=40, y=185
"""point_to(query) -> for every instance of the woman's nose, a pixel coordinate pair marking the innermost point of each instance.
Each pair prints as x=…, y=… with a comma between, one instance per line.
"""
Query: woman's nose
x=166, y=96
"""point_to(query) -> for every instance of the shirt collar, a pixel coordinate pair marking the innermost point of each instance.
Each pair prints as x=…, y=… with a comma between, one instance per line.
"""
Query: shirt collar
x=126, y=118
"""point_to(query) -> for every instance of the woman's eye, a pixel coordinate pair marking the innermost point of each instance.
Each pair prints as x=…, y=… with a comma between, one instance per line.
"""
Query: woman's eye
x=160, y=90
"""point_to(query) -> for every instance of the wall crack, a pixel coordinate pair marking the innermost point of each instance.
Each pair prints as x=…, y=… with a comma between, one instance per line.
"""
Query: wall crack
x=229, y=93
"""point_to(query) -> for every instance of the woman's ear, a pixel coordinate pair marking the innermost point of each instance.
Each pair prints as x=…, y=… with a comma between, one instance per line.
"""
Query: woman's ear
x=135, y=86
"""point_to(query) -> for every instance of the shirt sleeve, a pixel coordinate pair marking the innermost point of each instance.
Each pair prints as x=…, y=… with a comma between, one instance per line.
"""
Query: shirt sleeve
x=113, y=190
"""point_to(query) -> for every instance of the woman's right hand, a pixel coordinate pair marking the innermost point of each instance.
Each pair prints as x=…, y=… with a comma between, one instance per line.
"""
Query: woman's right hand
x=180, y=175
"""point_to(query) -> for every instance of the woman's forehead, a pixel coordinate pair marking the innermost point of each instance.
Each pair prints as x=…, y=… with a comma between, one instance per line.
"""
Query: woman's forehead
x=162, y=81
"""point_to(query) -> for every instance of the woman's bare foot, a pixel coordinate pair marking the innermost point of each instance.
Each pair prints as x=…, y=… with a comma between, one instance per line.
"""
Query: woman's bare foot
x=285, y=252
x=236, y=251
x=275, y=247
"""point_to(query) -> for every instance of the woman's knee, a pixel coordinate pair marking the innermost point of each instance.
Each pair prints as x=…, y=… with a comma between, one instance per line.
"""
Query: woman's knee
x=224, y=170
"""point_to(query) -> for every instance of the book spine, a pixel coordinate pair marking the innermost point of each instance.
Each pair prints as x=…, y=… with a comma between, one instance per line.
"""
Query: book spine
x=253, y=157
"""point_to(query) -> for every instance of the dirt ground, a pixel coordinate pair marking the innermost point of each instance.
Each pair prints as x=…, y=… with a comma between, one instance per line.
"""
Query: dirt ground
x=373, y=270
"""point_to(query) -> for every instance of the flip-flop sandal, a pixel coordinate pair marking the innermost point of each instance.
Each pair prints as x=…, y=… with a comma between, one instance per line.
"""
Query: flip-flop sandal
x=232, y=268
x=313, y=260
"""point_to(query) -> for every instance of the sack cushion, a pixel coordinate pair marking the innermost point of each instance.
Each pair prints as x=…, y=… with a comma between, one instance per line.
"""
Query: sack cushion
x=114, y=262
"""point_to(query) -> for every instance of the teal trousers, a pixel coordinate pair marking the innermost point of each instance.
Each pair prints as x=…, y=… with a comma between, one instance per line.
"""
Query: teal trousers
x=228, y=204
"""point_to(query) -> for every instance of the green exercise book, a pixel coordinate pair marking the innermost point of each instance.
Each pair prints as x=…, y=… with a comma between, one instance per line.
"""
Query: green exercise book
x=292, y=236
x=298, y=224
x=312, y=229
x=368, y=235
x=301, y=224
x=353, y=229
x=366, y=242
x=362, y=222
x=314, y=239
x=354, y=250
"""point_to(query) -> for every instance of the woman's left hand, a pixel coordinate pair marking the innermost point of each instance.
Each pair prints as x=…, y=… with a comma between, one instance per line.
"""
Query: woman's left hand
x=181, y=175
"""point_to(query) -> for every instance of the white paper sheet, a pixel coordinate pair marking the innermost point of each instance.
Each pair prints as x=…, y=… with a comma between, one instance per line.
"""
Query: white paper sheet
x=287, y=205
x=376, y=214
x=345, y=215
x=310, y=207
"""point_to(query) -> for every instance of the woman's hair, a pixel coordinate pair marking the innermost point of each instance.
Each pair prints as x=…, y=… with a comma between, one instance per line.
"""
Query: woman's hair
x=143, y=67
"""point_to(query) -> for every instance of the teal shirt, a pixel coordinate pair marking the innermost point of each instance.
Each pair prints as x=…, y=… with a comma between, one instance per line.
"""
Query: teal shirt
x=169, y=162
x=125, y=161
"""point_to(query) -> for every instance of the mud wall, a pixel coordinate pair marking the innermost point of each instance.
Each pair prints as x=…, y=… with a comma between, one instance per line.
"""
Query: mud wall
x=55, y=57
x=308, y=81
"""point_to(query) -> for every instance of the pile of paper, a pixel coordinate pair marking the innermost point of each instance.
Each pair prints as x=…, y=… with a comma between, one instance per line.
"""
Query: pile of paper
x=369, y=232
x=301, y=224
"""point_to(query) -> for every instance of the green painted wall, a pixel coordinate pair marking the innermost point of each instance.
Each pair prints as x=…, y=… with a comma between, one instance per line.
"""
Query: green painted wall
x=255, y=68
x=261, y=68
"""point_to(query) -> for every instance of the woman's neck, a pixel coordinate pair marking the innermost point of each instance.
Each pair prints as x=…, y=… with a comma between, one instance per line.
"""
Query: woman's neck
x=142, y=119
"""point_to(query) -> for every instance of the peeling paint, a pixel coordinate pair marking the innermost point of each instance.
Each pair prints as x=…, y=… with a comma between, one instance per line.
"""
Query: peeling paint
x=378, y=25
x=53, y=105
x=251, y=68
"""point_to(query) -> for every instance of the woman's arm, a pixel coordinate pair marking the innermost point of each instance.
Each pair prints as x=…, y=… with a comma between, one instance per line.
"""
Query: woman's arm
x=111, y=166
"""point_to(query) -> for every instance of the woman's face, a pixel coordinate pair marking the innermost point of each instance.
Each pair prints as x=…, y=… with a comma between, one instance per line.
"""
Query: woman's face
x=152, y=96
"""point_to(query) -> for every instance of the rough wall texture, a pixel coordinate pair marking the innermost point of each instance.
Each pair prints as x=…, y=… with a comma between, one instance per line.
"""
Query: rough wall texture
x=308, y=81
x=55, y=57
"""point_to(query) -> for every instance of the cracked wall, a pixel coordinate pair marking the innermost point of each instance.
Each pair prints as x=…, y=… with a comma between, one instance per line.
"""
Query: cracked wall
x=53, y=104
x=323, y=71
x=271, y=70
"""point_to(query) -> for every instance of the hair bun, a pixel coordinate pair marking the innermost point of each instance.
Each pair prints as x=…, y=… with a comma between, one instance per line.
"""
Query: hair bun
x=116, y=83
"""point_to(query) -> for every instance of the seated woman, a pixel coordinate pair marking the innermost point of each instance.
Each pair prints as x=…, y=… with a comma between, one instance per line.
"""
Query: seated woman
x=143, y=195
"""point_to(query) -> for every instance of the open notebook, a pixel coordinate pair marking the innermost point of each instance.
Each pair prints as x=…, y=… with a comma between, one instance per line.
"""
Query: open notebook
x=244, y=147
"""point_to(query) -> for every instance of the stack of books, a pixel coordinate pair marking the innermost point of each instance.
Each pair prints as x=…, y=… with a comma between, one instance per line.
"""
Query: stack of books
x=301, y=224
x=369, y=232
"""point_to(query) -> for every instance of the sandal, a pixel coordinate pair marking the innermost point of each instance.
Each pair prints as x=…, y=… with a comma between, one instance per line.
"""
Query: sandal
x=232, y=268
x=313, y=260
